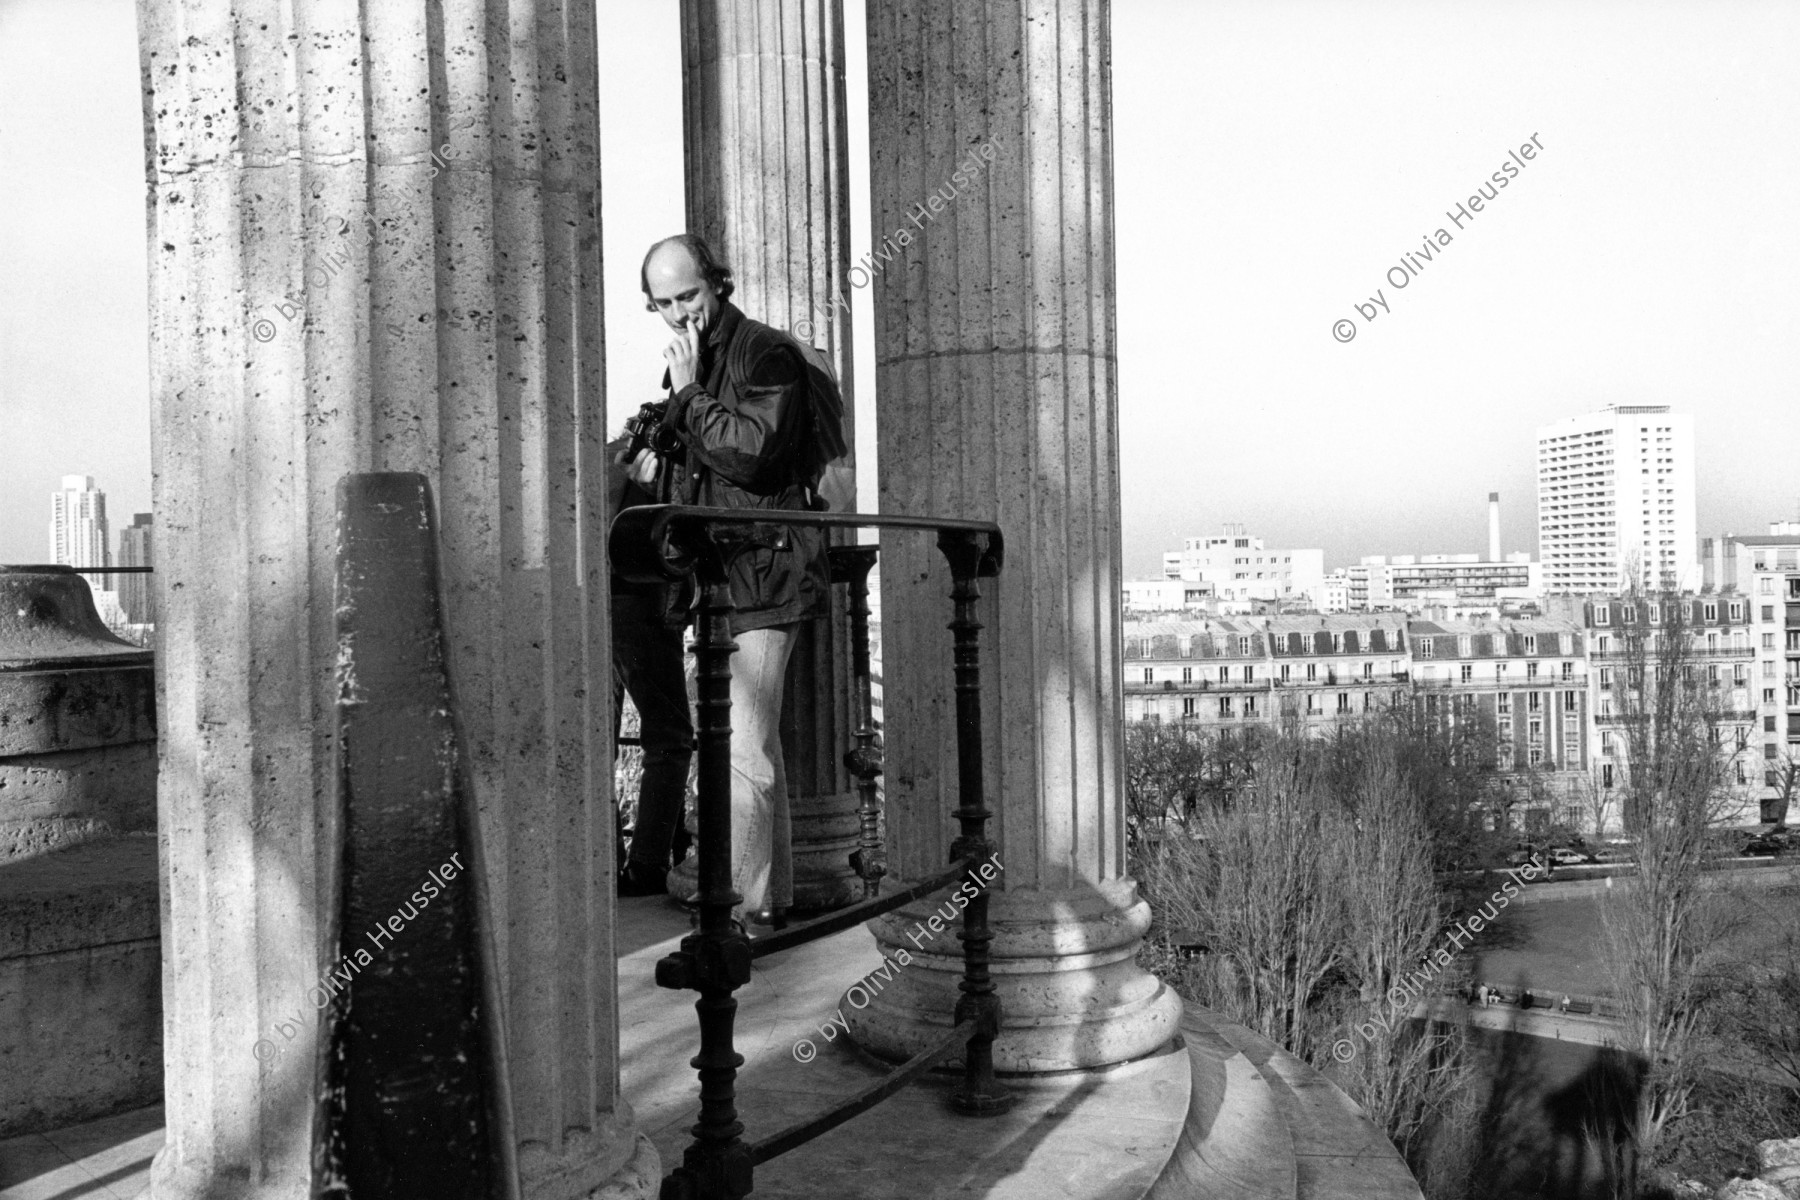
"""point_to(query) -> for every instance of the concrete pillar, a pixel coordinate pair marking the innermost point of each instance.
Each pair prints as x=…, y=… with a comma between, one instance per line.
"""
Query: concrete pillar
x=375, y=245
x=996, y=376
x=766, y=138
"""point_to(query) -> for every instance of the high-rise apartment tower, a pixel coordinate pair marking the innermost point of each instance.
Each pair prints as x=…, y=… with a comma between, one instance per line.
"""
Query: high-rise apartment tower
x=78, y=534
x=1616, y=500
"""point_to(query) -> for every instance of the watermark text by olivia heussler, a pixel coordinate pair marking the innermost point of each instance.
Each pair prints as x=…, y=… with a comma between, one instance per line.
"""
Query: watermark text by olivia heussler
x=330, y=261
x=862, y=993
x=1431, y=245
x=1408, y=991
x=351, y=962
x=922, y=213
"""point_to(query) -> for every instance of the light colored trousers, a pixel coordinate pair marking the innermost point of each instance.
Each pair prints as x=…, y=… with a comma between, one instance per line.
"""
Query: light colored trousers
x=762, y=857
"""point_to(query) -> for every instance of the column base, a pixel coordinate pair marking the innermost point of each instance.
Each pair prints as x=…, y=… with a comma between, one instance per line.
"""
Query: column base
x=1063, y=964
x=589, y=1165
x=825, y=832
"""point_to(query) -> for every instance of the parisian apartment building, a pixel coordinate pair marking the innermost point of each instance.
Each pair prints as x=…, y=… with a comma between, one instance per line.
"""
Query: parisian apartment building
x=1550, y=687
x=1765, y=570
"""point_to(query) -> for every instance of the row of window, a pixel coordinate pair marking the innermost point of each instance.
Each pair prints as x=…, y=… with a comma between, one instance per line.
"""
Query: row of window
x=1228, y=707
x=1247, y=673
x=1709, y=612
x=1740, y=675
x=1534, y=702
x=1465, y=644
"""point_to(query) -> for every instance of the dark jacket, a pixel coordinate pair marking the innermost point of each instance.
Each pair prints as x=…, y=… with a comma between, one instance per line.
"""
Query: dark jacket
x=747, y=426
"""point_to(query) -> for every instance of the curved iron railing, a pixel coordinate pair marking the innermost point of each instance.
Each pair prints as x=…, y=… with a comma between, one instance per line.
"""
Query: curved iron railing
x=666, y=543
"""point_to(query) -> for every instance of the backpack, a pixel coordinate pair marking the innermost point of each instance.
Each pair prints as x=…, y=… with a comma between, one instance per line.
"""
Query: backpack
x=829, y=484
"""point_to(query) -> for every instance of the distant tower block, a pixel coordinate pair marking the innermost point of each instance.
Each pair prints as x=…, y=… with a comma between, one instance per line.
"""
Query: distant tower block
x=1493, y=526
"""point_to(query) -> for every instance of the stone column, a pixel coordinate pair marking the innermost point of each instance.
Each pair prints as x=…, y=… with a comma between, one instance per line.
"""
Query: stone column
x=766, y=137
x=992, y=185
x=375, y=245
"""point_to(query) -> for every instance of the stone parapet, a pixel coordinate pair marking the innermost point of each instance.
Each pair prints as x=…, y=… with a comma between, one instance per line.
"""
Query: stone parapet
x=77, y=718
x=80, y=984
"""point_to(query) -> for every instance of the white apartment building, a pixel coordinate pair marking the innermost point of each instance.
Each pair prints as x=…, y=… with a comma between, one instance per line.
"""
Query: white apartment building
x=1415, y=582
x=1616, y=488
x=1334, y=593
x=78, y=533
x=1165, y=595
x=1241, y=569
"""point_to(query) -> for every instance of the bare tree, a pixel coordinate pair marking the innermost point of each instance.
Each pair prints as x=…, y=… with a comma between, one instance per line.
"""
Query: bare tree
x=1172, y=770
x=1663, y=926
x=1768, y=1014
x=1400, y=1074
x=1450, y=758
x=1262, y=885
x=1785, y=772
x=1595, y=802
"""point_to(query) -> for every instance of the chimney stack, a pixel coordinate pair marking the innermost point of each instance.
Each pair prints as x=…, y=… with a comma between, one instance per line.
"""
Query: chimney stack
x=1493, y=526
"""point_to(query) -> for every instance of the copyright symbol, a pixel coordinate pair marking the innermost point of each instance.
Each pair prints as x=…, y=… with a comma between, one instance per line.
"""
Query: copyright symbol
x=263, y=330
x=1344, y=331
x=265, y=1050
x=803, y=329
x=805, y=1051
x=1343, y=1051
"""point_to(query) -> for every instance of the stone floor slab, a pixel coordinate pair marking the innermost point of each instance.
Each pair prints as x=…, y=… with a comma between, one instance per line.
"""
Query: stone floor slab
x=1106, y=1134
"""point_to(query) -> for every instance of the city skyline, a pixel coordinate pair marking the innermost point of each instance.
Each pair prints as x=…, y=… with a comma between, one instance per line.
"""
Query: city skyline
x=1602, y=274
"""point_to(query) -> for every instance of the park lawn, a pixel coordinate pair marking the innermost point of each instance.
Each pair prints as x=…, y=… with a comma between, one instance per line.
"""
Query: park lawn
x=1560, y=945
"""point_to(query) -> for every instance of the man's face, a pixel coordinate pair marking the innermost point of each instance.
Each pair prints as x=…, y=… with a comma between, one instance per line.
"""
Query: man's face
x=678, y=291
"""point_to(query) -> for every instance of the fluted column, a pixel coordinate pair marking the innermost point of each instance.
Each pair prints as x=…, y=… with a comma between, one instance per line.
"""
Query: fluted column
x=991, y=154
x=375, y=246
x=763, y=108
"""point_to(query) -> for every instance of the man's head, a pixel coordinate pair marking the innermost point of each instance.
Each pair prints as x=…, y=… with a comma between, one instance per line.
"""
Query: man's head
x=683, y=282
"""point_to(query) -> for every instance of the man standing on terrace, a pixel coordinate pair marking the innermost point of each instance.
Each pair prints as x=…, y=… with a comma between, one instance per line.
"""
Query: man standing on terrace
x=755, y=433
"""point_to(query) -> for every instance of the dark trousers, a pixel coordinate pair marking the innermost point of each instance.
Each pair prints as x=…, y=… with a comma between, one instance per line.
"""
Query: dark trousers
x=647, y=661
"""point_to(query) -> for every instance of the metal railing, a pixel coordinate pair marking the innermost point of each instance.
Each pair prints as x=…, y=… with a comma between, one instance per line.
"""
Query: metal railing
x=667, y=543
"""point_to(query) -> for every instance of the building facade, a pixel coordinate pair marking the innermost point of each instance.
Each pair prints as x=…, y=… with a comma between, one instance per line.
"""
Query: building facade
x=1166, y=595
x=1527, y=680
x=78, y=532
x=136, y=596
x=1229, y=671
x=1241, y=569
x=1413, y=583
x=1616, y=493
x=1721, y=659
x=1765, y=569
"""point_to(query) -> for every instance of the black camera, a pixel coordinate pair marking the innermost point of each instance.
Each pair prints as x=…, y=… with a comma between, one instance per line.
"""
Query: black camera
x=646, y=432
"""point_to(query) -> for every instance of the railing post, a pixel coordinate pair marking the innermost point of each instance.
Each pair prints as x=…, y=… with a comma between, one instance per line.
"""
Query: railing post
x=851, y=565
x=715, y=960
x=980, y=1093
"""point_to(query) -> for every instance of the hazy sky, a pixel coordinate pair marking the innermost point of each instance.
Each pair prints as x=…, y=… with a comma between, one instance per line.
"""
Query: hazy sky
x=1273, y=161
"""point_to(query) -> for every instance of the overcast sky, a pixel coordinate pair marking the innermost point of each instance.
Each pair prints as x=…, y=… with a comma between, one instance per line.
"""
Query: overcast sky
x=1274, y=160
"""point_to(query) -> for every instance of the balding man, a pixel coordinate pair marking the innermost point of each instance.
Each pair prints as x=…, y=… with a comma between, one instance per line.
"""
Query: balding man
x=741, y=404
